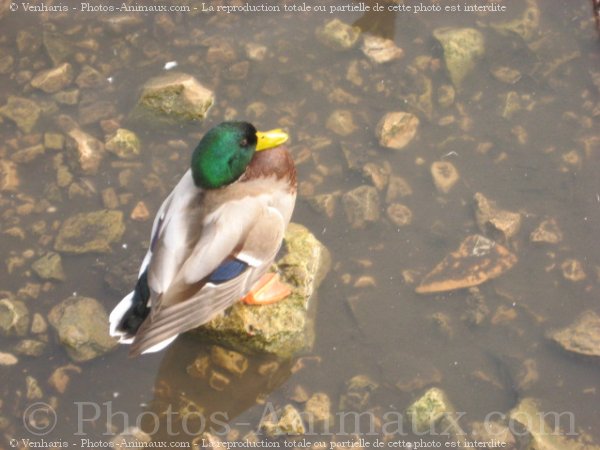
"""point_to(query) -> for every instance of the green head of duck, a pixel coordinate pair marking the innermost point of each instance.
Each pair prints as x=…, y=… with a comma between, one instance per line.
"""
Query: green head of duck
x=225, y=151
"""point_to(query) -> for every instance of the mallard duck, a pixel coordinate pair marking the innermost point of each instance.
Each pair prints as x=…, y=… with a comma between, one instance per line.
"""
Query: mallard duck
x=213, y=238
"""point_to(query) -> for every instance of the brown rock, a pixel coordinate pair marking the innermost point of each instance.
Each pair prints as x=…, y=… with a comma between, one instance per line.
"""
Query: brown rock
x=444, y=176
x=581, y=337
x=491, y=218
x=477, y=260
x=396, y=129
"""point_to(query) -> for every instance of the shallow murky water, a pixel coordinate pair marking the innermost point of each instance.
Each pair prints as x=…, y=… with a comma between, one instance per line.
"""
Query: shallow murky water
x=530, y=143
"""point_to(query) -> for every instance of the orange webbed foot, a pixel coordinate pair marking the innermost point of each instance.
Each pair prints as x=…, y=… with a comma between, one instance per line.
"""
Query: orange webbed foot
x=267, y=290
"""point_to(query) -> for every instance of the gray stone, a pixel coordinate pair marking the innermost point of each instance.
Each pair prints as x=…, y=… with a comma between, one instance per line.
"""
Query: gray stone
x=21, y=111
x=30, y=347
x=49, y=267
x=397, y=129
x=90, y=232
x=431, y=409
x=338, y=35
x=582, y=336
x=444, y=176
x=341, y=122
x=173, y=98
x=462, y=49
x=55, y=79
x=57, y=46
x=526, y=25
x=358, y=393
x=125, y=144
x=82, y=327
x=317, y=411
x=285, y=422
x=14, y=317
x=88, y=150
x=494, y=220
x=361, y=206
x=380, y=50
x=286, y=327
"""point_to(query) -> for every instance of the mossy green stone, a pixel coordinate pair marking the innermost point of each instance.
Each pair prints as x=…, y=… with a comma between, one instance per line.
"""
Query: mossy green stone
x=286, y=327
x=90, y=232
x=21, y=111
x=82, y=327
x=462, y=48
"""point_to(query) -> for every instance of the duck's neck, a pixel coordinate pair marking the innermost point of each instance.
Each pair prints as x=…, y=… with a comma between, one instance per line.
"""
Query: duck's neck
x=273, y=162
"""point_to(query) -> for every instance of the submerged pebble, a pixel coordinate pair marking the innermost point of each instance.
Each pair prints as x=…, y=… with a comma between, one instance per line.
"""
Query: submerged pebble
x=397, y=129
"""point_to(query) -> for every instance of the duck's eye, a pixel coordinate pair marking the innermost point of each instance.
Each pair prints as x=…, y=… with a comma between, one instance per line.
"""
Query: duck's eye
x=244, y=143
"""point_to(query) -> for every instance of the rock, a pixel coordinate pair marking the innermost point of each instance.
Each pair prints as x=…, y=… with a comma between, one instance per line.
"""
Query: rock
x=396, y=129
x=399, y=214
x=49, y=267
x=338, y=35
x=477, y=310
x=232, y=362
x=428, y=410
x=380, y=50
x=218, y=381
x=255, y=52
x=28, y=154
x=358, y=394
x=55, y=79
x=572, y=270
x=286, y=327
x=582, y=336
x=378, y=174
x=548, y=232
x=317, y=412
x=543, y=436
x=446, y=94
x=124, y=143
x=199, y=368
x=54, y=141
x=92, y=110
x=30, y=347
x=341, y=122
x=70, y=97
x=7, y=62
x=444, y=176
x=397, y=187
x=90, y=78
x=33, y=389
x=38, y=324
x=82, y=327
x=526, y=26
x=22, y=111
x=9, y=177
x=489, y=430
x=133, y=438
x=57, y=47
x=172, y=99
x=88, y=149
x=14, y=317
x=90, y=232
x=361, y=206
x=462, y=48
x=140, y=212
x=325, y=203
x=492, y=219
x=284, y=423
x=409, y=373
x=506, y=74
x=8, y=359
x=477, y=260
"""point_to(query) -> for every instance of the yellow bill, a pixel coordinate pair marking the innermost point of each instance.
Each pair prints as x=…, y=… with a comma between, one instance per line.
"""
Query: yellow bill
x=270, y=139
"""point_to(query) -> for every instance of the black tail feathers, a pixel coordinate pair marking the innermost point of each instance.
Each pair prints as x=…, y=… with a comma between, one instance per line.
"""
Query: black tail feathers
x=139, y=309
